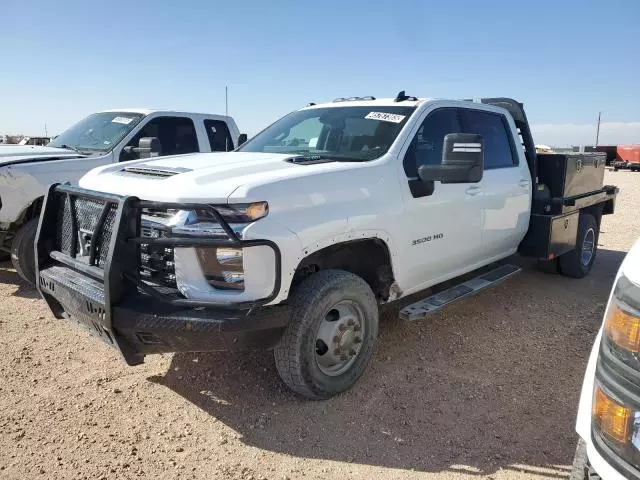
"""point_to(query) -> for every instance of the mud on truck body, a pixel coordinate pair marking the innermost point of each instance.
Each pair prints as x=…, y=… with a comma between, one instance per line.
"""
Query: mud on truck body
x=293, y=240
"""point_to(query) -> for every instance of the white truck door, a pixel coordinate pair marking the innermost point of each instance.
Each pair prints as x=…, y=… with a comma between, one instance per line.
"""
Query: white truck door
x=442, y=229
x=506, y=183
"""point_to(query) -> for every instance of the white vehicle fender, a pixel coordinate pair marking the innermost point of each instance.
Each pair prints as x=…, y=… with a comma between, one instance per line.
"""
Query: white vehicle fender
x=260, y=263
x=336, y=239
x=18, y=190
x=23, y=184
x=293, y=252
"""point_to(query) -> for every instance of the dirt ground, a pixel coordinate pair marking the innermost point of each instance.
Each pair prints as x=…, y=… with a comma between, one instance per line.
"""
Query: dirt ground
x=486, y=389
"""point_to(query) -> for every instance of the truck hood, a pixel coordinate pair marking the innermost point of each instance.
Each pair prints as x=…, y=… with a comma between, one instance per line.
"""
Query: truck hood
x=14, y=154
x=199, y=177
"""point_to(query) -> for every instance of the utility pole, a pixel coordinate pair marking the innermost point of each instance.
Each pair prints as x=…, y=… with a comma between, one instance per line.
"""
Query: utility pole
x=226, y=114
x=598, y=129
x=46, y=134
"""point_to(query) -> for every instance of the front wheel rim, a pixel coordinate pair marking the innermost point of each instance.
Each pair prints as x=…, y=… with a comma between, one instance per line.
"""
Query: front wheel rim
x=339, y=338
x=588, y=247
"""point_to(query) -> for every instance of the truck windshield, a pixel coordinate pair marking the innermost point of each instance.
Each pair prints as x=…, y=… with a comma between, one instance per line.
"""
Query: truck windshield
x=349, y=133
x=97, y=132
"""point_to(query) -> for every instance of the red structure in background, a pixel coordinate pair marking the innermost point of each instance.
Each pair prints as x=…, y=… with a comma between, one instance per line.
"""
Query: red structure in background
x=628, y=157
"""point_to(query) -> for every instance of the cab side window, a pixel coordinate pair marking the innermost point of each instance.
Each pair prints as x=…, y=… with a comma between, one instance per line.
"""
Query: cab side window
x=426, y=146
x=499, y=151
x=219, y=136
x=177, y=135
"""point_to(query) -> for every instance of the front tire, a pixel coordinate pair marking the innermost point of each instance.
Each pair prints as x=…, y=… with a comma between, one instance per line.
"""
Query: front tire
x=578, y=262
x=22, y=251
x=331, y=337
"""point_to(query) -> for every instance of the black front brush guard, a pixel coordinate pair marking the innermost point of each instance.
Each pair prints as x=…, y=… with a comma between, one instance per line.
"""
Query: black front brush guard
x=120, y=270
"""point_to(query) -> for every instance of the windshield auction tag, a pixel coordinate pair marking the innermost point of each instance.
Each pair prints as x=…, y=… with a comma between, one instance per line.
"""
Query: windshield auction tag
x=122, y=120
x=385, y=117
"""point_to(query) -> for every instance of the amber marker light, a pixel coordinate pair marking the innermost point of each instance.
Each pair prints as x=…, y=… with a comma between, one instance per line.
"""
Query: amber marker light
x=612, y=418
x=623, y=328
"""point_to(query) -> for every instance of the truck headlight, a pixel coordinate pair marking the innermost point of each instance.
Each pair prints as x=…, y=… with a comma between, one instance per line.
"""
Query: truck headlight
x=222, y=266
x=622, y=320
x=231, y=213
x=203, y=223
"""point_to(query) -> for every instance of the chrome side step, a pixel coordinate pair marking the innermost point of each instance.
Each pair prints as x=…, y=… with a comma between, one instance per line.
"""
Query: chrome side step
x=429, y=305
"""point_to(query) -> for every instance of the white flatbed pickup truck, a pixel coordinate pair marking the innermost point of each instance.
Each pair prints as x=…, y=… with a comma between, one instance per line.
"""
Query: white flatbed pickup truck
x=293, y=240
x=102, y=138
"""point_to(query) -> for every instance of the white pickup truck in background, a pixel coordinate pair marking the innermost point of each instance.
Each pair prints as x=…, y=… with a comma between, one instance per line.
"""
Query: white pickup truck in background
x=293, y=240
x=101, y=138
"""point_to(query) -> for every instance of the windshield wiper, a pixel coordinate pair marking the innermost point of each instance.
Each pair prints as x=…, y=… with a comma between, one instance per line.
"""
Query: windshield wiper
x=311, y=159
x=70, y=147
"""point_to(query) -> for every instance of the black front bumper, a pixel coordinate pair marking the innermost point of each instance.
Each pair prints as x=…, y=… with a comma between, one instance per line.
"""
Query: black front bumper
x=111, y=301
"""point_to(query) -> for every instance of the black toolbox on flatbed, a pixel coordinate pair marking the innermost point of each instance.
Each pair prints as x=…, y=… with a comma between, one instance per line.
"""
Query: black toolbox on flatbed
x=567, y=184
x=571, y=174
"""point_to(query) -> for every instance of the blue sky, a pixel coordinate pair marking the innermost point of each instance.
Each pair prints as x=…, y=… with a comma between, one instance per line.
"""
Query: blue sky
x=566, y=60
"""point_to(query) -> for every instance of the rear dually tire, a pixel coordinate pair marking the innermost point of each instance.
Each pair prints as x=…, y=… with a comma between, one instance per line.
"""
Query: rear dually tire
x=578, y=262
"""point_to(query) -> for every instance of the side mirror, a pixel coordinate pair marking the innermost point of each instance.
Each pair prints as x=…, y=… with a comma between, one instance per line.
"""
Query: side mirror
x=242, y=138
x=462, y=160
x=147, y=147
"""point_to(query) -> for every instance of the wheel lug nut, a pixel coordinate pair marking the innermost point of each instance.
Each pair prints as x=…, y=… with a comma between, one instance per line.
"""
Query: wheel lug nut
x=350, y=322
x=336, y=339
x=357, y=328
x=342, y=327
x=343, y=357
x=352, y=352
x=357, y=340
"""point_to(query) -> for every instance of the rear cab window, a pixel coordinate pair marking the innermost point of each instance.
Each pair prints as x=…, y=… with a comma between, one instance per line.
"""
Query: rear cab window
x=499, y=148
x=218, y=135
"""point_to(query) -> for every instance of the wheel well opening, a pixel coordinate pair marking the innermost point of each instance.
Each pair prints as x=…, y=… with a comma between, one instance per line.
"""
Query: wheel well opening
x=367, y=258
x=29, y=213
x=33, y=210
x=596, y=211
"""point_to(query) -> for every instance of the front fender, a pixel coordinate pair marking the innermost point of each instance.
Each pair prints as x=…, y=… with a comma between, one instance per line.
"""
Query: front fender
x=18, y=190
x=339, y=237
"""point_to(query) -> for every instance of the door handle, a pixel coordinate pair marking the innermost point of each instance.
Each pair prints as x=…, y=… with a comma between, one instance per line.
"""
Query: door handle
x=523, y=183
x=473, y=191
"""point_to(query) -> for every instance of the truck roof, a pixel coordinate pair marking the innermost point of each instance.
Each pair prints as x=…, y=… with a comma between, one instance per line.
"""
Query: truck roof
x=149, y=111
x=369, y=102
